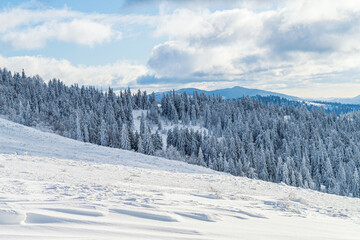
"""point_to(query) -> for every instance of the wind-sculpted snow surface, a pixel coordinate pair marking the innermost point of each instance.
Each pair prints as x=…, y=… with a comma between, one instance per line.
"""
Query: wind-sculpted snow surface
x=56, y=188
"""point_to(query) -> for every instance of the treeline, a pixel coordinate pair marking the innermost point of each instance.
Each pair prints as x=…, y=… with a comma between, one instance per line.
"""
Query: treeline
x=339, y=108
x=329, y=107
x=82, y=113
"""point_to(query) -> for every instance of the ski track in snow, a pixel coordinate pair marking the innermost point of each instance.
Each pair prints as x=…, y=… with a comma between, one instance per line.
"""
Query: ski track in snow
x=57, y=188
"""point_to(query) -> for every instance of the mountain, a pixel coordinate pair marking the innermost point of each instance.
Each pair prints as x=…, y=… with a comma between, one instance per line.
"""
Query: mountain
x=354, y=100
x=338, y=105
x=55, y=187
x=235, y=92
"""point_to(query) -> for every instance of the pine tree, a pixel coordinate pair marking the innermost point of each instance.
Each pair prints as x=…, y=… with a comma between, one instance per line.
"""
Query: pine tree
x=157, y=141
x=341, y=180
x=148, y=144
x=79, y=136
x=200, y=158
x=103, y=134
x=263, y=173
x=125, y=141
x=140, y=146
x=285, y=174
x=355, y=184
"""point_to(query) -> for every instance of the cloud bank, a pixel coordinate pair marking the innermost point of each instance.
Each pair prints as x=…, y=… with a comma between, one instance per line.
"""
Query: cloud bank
x=303, y=44
x=116, y=74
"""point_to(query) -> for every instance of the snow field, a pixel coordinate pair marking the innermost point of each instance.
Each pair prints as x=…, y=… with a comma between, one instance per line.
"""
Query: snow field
x=58, y=188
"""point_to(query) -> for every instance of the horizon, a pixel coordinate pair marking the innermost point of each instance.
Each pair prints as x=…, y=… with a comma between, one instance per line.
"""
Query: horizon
x=195, y=88
x=298, y=48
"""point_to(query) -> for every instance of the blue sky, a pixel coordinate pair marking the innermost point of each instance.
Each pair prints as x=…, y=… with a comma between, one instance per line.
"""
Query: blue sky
x=302, y=47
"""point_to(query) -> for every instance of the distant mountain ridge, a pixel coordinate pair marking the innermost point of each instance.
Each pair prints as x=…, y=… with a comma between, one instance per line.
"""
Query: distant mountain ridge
x=235, y=92
x=354, y=100
x=337, y=105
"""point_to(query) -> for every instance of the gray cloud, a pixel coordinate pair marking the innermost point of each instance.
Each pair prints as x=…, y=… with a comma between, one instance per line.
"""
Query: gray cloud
x=320, y=37
x=169, y=58
x=285, y=48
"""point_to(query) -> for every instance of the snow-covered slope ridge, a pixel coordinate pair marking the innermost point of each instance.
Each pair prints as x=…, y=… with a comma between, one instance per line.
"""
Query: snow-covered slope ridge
x=57, y=188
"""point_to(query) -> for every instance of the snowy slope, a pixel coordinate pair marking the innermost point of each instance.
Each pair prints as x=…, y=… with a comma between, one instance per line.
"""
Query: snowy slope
x=57, y=188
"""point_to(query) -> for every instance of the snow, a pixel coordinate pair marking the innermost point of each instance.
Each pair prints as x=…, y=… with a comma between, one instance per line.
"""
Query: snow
x=136, y=117
x=315, y=104
x=57, y=188
x=166, y=126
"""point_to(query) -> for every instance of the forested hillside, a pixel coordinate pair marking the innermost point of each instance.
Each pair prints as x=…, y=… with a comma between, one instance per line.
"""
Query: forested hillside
x=296, y=144
x=82, y=113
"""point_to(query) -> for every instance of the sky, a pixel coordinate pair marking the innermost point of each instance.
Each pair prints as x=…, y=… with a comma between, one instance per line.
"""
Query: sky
x=301, y=47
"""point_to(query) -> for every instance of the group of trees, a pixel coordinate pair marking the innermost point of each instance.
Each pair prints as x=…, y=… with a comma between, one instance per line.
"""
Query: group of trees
x=296, y=144
x=265, y=138
x=329, y=107
x=82, y=113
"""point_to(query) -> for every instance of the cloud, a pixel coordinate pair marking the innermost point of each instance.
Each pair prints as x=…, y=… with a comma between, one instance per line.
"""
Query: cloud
x=172, y=4
x=32, y=29
x=179, y=59
x=206, y=42
x=291, y=46
x=303, y=38
x=119, y=74
x=83, y=32
x=152, y=79
x=274, y=45
x=16, y=17
x=211, y=28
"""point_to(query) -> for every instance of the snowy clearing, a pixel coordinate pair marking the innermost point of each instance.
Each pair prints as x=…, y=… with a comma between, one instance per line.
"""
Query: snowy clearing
x=57, y=188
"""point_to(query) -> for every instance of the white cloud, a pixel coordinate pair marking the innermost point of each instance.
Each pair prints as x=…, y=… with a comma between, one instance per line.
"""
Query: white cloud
x=277, y=45
x=17, y=17
x=309, y=12
x=208, y=43
x=84, y=32
x=31, y=29
x=119, y=74
x=219, y=27
x=299, y=45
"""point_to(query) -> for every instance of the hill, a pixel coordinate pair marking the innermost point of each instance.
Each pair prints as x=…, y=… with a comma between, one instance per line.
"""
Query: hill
x=235, y=92
x=56, y=188
x=271, y=139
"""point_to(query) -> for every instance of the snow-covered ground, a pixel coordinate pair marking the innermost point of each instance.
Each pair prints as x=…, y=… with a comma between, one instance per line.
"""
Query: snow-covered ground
x=315, y=104
x=56, y=188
